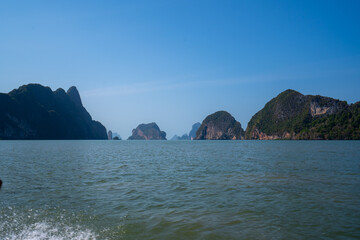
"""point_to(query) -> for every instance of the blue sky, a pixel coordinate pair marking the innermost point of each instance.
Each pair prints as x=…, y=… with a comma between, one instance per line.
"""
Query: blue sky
x=175, y=62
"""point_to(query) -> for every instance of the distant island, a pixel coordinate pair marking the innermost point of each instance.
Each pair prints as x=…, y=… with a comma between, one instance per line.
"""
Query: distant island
x=36, y=112
x=180, y=138
x=190, y=136
x=220, y=126
x=150, y=131
x=116, y=136
x=113, y=136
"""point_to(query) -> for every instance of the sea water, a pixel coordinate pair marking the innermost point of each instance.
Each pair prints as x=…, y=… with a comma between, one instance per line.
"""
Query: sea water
x=180, y=190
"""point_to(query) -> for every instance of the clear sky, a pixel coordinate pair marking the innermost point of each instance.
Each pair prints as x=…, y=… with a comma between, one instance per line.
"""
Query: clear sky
x=175, y=62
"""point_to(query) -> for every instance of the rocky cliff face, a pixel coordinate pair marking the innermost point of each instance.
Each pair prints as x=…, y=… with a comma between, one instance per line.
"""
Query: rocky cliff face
x=36, y=112
x=194, y=128
x=322, y=106
x=292, y=115
x=150, y=131
x=220, y=126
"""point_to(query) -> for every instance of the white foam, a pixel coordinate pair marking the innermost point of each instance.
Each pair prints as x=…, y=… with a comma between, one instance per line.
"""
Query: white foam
x=43, y=230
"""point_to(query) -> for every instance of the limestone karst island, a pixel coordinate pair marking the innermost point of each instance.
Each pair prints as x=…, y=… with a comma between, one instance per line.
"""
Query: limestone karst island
x=36, y=112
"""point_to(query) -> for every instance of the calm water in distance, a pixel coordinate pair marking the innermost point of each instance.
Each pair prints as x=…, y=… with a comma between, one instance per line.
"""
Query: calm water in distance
x=180, y=190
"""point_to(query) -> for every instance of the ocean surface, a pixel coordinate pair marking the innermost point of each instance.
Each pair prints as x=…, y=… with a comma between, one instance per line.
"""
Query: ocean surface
x=180, y=190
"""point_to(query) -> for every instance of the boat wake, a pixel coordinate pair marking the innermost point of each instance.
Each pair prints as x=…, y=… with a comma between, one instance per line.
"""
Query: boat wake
x=41, y=225
x=44, y=230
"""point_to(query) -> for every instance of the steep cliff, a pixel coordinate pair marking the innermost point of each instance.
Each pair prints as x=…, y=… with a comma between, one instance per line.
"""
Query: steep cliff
x=220, y=126
x=36, y=112
x=194, y=128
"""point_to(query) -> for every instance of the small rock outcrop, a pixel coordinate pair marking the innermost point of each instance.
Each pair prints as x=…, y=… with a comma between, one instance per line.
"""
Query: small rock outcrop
x=36, y=112
x=292, y=115
x=116, y=136
x=150, y=131
x=109, y=135
x=220, y=126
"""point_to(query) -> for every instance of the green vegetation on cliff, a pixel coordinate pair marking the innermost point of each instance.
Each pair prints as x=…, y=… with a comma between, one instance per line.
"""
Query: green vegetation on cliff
x=150, y=131
x=292, y=115
x=220, y=126
x=286, y=112
x=344, y=125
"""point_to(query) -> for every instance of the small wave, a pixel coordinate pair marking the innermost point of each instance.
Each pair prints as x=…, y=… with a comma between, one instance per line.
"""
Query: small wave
x=50, y=224
x=44, y=230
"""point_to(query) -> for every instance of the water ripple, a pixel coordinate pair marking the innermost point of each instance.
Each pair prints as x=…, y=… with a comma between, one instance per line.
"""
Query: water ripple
x=179, y=190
